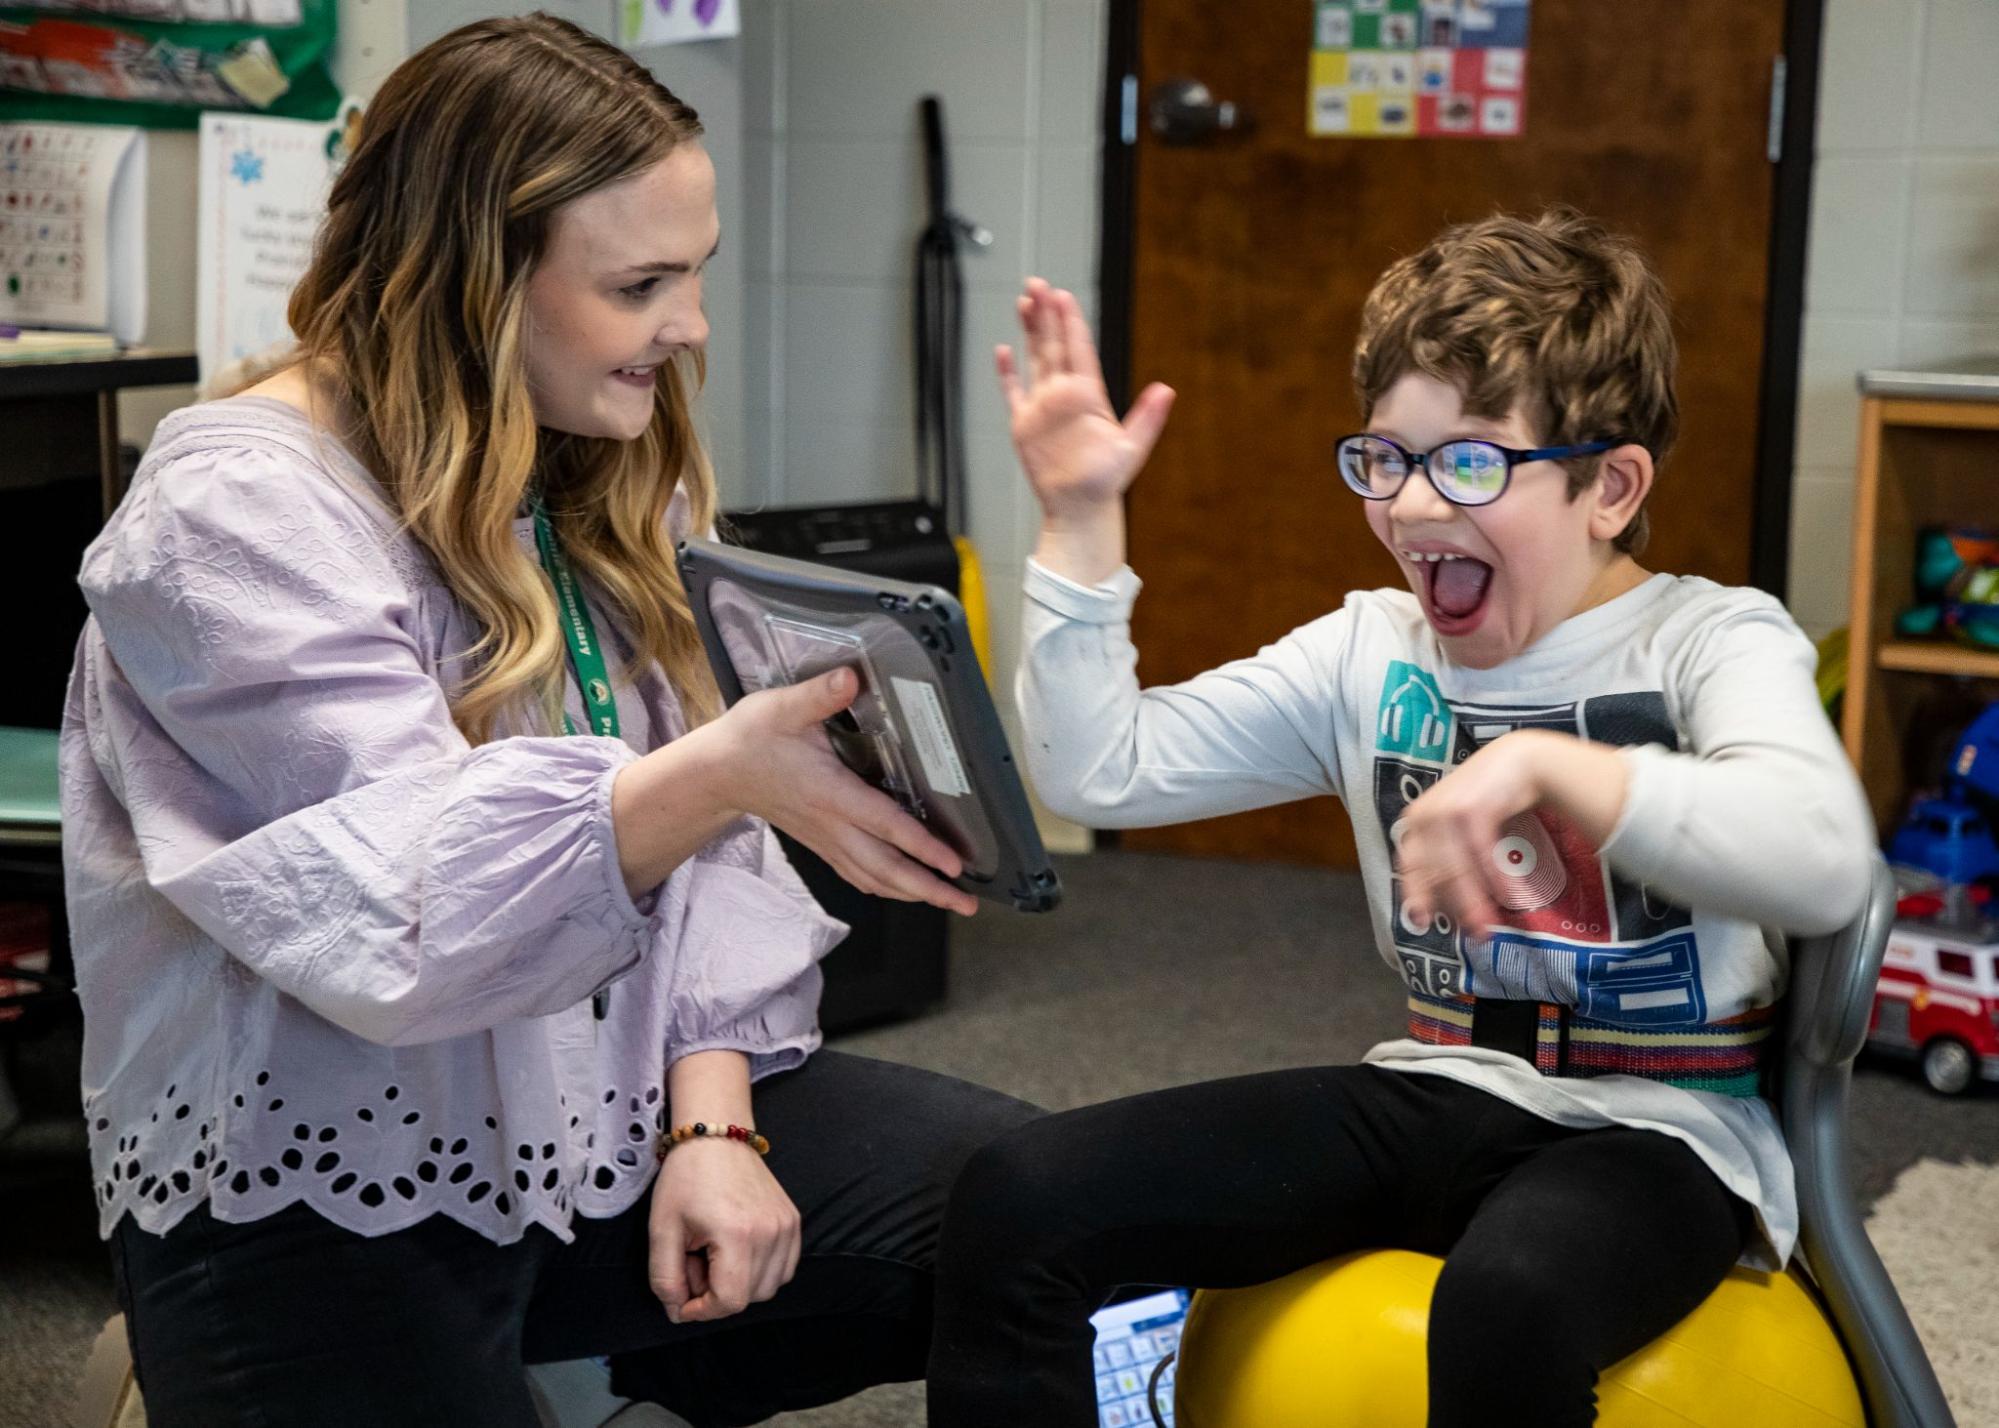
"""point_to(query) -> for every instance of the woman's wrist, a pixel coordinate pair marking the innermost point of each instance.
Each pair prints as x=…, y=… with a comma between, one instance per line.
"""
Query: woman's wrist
x=711, y=1088
x=668, y=804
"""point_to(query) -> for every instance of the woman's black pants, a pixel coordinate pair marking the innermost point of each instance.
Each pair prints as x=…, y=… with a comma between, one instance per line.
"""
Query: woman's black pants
x=291, y=1321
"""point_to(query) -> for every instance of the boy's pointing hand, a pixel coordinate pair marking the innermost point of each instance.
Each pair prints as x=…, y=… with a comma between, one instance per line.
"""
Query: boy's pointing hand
x=1451, y=846
x=1447, y=843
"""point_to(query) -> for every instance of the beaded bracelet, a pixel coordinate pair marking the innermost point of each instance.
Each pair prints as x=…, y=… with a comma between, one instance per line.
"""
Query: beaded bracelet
x=701, y=1129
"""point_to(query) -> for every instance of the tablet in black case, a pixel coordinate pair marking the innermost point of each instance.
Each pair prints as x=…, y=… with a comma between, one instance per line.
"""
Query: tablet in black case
x=922, y=729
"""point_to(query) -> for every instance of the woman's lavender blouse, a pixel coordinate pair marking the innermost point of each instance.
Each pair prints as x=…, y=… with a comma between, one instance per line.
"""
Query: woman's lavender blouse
x=327, y=951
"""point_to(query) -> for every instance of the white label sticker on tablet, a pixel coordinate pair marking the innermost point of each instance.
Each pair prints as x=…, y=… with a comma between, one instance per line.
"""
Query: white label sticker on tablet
x=934, y=745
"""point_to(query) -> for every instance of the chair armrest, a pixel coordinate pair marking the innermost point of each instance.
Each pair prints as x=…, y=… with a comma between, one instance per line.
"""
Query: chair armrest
x=1833, y=978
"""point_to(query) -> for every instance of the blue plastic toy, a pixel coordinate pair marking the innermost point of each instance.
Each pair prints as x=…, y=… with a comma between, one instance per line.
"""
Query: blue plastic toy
x=1951, y=837
x=1948, y=839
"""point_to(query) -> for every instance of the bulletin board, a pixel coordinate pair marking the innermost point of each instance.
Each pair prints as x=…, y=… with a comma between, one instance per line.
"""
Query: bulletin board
x=100, y=62
x=1406, y=69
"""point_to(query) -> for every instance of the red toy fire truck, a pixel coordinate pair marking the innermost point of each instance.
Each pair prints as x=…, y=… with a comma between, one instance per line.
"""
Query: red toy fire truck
x=1938, y=1000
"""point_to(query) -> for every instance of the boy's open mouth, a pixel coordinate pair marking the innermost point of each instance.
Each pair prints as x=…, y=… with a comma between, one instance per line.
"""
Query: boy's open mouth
x=1457, y=587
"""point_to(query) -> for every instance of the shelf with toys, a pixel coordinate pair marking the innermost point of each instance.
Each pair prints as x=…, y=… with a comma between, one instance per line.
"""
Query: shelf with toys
x=1929, y=465
x=1921, y=708
x=1934, y=657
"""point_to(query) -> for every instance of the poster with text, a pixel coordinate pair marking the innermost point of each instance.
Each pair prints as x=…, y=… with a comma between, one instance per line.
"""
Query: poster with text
x=262, y=193
x=1405, y=69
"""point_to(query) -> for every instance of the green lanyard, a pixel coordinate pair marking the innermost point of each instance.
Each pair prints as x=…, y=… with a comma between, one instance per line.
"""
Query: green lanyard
x=585, y=654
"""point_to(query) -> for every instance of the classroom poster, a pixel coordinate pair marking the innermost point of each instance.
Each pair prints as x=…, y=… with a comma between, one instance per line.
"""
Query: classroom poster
x=1403, y=69
x=73, y=228
x=673, y=22
x=263, y=186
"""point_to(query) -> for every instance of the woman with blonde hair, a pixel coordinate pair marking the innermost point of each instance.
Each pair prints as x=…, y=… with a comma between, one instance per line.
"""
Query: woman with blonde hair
x=449, y=1004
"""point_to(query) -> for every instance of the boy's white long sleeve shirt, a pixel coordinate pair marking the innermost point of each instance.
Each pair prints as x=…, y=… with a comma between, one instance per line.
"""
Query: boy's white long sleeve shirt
x=1742, y=812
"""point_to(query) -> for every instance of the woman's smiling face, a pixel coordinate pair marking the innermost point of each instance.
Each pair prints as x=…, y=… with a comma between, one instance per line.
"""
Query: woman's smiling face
x=617, y=293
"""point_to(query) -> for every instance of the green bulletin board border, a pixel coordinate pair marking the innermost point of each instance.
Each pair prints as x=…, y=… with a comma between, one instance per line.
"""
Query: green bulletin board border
x=303, y=51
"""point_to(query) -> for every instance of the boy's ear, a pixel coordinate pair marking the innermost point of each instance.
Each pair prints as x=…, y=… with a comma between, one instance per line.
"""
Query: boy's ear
x=1623, y=481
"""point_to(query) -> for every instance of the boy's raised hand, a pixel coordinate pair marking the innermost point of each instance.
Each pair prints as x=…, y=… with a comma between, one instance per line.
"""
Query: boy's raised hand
x=1078, y=456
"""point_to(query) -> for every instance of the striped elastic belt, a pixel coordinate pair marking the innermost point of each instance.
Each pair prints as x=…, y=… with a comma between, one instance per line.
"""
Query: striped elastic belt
x=1725, y=1057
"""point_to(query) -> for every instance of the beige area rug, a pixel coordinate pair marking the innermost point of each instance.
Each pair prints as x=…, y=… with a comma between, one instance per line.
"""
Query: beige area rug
x=1949, y=1281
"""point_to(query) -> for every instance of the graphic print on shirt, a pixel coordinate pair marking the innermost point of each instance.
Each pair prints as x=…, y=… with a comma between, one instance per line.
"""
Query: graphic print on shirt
x=1571, y=931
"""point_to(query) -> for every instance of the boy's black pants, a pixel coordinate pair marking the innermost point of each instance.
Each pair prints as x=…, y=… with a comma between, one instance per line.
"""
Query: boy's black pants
x=1564, y=1250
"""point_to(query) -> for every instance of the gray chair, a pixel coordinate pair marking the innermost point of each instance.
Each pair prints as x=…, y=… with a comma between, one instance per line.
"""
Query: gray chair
x=1830, y=1004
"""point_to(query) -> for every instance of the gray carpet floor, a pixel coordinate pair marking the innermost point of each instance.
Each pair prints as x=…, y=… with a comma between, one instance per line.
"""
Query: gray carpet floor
x=1156, y=972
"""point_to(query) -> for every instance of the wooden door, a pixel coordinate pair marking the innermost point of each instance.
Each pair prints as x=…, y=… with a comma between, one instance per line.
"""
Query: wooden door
x=1252, y=255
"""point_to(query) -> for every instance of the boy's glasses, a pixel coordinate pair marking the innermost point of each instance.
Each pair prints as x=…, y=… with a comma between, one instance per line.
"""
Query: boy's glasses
x=1465, y=473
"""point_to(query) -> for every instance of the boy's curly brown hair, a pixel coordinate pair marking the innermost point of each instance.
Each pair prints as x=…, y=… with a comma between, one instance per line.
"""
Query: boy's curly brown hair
x=1554, y=313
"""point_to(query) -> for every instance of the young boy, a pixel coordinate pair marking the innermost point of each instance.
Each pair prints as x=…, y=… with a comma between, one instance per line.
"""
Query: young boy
x=1578, y=789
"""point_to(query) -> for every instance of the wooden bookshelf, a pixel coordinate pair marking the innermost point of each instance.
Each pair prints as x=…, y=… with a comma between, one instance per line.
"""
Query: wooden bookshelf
x=1929, y=455
x=1936, y=657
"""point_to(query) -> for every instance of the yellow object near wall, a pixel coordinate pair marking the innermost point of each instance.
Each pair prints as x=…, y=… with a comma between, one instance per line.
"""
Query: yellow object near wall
x=972, y=595
x=1832, y=668
x=1345, y=1342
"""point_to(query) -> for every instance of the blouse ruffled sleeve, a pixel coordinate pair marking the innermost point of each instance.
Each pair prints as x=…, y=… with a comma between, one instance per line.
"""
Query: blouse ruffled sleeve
x=296, y=782
x=745, y=972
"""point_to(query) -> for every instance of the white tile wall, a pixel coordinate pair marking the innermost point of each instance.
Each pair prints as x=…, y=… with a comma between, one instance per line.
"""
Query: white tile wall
x=1929, y=340
x=835, y=201
x=1860, y=219
x=1953, y=259
x=1904, y=246
x=763, y=55
x=846, y=354
x=1867, y=75
x=1066, y=202
x=853, y=207
x=1072, y=64
x=1957, y=109
x=1821, y=546
x=857, y=67
x=847, y=458
x=1828, y=402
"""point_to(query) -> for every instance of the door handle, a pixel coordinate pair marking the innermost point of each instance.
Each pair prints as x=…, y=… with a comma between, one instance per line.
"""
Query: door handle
x=1185, y=112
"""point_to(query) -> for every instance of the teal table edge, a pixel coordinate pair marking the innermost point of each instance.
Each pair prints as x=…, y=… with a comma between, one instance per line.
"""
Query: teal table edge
x=30, y=789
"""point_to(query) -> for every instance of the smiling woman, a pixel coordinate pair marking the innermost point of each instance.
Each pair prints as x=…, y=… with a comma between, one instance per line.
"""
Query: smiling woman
x=604, y=317
x=508, y=306
x=391, y=748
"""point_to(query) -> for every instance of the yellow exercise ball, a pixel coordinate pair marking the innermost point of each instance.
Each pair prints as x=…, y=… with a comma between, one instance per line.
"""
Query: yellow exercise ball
x=1343, y=1343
